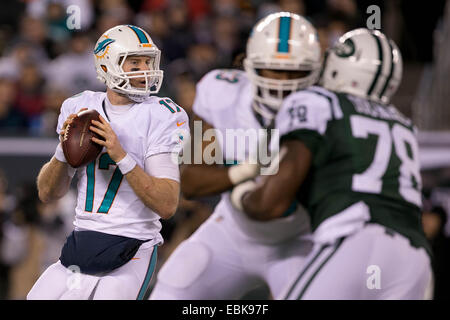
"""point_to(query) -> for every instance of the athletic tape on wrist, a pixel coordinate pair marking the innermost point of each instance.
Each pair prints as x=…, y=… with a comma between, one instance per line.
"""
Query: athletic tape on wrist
x=59, y=153
x=126, y=164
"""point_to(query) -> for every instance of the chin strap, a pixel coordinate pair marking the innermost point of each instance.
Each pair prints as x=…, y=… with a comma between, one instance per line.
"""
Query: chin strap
x=137, y=97
x=134, y=97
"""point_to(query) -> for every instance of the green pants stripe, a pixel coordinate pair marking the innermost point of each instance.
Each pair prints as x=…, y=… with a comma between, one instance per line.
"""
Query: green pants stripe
x=338, y=244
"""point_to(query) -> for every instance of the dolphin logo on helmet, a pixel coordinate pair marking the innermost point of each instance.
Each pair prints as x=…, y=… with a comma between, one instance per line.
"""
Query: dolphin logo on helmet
x=102, y=47
x=111, y=51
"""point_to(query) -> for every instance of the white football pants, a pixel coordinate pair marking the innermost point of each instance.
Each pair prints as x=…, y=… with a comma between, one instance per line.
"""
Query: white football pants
x=219, y=262
x=371, y=263
x=130, y=281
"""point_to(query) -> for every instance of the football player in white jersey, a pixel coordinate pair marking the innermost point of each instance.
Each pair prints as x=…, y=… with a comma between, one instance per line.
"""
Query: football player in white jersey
x=111, y=253
x=230, y=254
x=352, y=160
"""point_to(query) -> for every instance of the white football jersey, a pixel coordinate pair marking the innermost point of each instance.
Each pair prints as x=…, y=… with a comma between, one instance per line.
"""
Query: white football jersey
x=106, y=202
x=224, y=99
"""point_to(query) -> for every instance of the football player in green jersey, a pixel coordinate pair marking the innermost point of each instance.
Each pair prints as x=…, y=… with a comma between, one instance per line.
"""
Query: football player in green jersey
x=352, y=159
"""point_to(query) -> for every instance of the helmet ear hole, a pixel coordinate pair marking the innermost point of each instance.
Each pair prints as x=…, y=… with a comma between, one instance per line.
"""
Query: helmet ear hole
x=334, y=74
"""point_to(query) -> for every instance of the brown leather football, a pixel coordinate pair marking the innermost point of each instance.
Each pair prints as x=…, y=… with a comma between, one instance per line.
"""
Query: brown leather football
x=77, y=145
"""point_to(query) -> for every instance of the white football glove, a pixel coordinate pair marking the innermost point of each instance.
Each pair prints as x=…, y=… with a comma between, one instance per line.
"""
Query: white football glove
x=239, y=191
x=248, y=171
x=241, y=172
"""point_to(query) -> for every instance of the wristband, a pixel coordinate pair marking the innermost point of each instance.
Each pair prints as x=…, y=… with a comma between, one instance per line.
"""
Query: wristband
x=126, y=164
x=59, y=153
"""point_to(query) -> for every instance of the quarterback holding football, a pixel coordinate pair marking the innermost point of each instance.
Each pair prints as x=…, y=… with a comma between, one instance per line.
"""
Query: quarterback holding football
x=127, y=186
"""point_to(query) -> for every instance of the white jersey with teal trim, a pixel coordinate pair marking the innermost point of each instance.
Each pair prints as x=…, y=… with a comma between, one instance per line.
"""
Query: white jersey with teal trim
x=224, y=99
x=106, y=202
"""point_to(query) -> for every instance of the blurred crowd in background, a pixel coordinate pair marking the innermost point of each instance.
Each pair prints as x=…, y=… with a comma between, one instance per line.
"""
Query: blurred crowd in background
x=43, y=62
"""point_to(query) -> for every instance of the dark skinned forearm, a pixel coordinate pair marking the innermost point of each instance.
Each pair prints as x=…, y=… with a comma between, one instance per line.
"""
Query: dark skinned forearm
x=277, y=192
x=204, y=180
x=199, y=180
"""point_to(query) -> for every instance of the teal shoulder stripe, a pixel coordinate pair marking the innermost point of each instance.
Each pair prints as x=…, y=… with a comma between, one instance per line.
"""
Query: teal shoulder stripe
x=141, y=35
x=380, y=67
x=77, y=95
x=284, y=34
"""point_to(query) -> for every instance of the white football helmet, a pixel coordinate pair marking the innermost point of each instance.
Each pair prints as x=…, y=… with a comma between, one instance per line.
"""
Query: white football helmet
x=282, y=41
x=364, y=63
x=110, y=52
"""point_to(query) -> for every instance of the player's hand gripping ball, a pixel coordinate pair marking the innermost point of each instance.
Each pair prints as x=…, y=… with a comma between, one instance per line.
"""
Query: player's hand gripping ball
x=76, y=138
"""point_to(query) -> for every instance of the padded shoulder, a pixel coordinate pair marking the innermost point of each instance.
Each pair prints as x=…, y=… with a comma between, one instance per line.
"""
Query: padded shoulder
x=217, y=90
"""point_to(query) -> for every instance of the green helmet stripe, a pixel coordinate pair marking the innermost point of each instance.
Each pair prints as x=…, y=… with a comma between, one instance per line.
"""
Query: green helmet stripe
x=391, y=72
x=380, y=67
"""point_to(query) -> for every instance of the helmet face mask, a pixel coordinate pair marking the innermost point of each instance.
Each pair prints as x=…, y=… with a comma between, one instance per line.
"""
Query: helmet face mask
x=272, y=91
x=151, y=77
x=112, y=50
x=364, y=63
x=282, y=41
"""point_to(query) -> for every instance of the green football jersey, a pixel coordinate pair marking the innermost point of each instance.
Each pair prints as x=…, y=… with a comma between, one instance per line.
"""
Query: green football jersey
x=362, y=152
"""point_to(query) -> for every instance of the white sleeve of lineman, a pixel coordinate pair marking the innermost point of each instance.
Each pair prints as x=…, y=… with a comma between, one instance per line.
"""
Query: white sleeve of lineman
x=303, y=110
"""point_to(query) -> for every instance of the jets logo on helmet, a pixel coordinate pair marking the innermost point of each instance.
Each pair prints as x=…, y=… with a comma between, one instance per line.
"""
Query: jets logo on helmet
x=345, y=49
x=281, y=41
x=364, y=63
x=111, y=51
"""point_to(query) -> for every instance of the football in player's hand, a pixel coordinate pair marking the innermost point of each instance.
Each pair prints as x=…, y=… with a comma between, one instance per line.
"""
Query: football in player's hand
x=77, y=145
